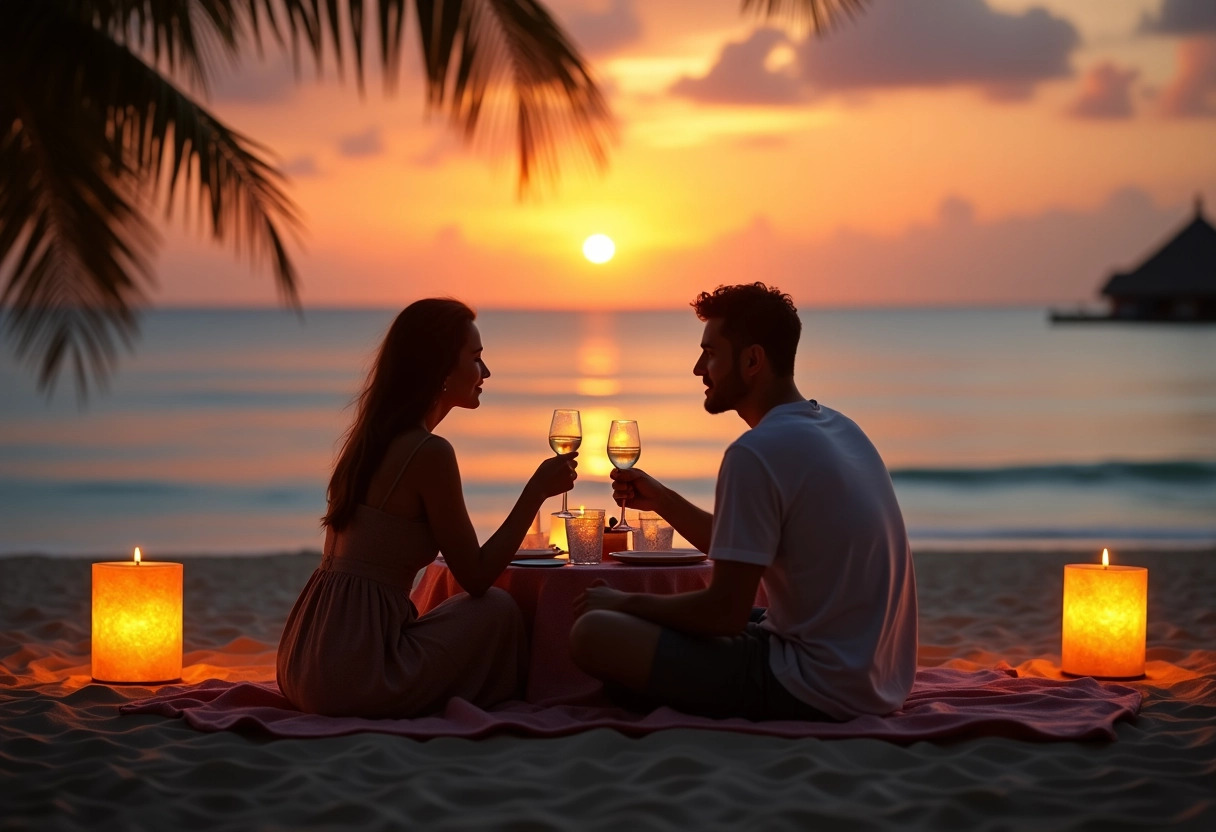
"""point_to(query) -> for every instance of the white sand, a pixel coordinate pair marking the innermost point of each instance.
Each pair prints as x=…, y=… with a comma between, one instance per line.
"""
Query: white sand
x=68, y=760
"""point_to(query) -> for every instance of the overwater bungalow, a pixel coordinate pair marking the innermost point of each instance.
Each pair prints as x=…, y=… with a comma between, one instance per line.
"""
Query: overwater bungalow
x=1177, y=283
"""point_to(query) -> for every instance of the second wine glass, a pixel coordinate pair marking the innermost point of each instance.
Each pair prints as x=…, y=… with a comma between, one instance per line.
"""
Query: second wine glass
x=624, y=450
x=565, y=435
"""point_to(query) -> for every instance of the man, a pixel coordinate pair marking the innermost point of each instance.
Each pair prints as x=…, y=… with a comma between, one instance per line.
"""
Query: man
x=803, y=506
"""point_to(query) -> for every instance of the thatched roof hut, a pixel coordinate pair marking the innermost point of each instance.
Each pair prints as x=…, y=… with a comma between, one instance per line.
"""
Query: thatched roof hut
x=1176, y=283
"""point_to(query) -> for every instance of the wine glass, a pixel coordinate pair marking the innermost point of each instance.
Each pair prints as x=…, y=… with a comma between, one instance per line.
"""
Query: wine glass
x=624, y=449
x=565, y=435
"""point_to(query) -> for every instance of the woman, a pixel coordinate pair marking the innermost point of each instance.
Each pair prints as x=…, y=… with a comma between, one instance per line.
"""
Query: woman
x=354, y=644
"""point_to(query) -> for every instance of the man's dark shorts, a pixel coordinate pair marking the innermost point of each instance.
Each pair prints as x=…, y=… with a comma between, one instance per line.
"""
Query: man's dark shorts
x=718, y=677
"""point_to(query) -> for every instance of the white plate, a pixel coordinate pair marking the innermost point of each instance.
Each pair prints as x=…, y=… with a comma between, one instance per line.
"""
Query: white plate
x=660, y=557
x=532, y=554
x=540, y=562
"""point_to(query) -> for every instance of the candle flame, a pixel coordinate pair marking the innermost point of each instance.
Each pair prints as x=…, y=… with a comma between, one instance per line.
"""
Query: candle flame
x=138, y=556
x=1105, y=558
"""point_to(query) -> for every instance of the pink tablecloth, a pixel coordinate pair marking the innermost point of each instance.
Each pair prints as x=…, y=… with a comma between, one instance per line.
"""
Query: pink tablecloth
x=546, y=598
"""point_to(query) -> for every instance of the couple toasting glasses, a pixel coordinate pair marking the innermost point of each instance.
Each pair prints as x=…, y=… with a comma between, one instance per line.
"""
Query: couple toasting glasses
x=803, y=506
x=624, y=449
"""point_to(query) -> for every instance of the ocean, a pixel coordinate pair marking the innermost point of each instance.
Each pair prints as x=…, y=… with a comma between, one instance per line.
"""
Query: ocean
x=1001, y=431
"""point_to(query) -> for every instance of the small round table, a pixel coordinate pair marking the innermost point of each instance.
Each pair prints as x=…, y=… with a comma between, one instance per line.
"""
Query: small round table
x=546, y=598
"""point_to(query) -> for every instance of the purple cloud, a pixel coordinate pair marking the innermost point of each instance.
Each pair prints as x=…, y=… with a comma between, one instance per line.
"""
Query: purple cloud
x=955, y=211
x=598, y=33
x=1105, y=93
x=256, y=82
x=894, y=45
x=946, y=42
x=367, y=143
x=1181, y=17
x=302, y=167
x=741, y=75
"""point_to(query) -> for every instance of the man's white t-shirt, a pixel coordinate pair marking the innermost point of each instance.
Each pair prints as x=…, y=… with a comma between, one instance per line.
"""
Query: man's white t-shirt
x=806, y=494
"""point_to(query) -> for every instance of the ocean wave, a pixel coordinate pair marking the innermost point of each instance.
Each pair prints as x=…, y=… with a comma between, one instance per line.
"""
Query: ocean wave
x=161, y=493
x=1168, y=472
x=1073, y=533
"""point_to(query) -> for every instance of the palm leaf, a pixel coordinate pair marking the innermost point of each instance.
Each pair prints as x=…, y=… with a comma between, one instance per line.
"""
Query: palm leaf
x=186, y=37
x=473, y=51
x=76, y=180
x=514, y=47
x=65, y=214
x=74, y=240
x=93, y=132
x=169, y=138
x=822, y=14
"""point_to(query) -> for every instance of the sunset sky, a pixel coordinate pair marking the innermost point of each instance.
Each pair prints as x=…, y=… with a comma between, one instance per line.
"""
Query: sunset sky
x=930, y=152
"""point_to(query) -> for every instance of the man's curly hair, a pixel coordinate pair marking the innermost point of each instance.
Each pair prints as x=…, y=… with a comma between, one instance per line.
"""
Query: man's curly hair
x=753, y=313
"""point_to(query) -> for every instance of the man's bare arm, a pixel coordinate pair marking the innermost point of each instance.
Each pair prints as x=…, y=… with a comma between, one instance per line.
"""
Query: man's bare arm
x=694, y=524
x=642, y=491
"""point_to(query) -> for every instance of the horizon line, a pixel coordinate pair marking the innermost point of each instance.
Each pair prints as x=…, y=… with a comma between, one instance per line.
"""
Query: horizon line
x=379, y=307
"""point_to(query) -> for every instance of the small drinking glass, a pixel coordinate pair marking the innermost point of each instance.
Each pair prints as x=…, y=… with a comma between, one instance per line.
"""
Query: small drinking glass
x=624, y=450
x=565, y=435
x=585, y=536
x=657, y=533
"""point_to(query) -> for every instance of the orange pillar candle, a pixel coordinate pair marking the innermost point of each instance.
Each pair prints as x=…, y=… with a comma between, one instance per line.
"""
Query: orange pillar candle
x=1105, y=615
x=137, y=621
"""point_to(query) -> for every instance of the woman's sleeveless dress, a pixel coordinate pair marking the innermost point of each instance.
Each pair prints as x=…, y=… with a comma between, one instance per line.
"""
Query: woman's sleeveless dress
x=354, y=644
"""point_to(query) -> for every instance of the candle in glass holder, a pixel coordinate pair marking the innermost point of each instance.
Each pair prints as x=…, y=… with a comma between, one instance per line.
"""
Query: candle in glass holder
x=137, y=621
x=585, y=535
x=1105, y=617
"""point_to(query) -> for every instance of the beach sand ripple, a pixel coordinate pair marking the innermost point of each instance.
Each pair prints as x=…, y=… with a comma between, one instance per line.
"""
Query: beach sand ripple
x=69, y=761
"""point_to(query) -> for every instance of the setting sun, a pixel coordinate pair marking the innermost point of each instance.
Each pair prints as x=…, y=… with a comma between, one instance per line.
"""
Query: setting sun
x=599, y=248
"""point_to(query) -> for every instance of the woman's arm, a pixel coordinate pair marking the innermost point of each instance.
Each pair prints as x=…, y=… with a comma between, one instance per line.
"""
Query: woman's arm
x=474, y=566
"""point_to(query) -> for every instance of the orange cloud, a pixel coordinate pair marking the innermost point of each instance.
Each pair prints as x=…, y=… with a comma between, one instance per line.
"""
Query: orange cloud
x=1105, y=93
x=1192, y=92
x=1054, y=255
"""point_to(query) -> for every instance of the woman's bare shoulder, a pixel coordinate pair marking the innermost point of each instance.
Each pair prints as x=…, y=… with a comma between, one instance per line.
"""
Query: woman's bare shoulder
x=413, y=463
x=426, y=449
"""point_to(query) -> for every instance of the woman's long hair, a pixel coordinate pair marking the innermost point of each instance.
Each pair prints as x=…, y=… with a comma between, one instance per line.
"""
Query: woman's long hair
x=420, y=351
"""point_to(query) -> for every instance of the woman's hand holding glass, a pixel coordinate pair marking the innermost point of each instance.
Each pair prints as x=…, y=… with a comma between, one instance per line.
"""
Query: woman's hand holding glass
x=565, y=435
x=556, y=475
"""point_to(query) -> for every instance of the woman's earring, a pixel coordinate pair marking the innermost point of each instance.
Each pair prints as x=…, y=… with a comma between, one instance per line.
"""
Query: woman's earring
x=445, y=389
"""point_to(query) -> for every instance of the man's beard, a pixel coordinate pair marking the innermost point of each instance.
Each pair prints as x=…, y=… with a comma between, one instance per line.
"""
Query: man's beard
x=726, y=394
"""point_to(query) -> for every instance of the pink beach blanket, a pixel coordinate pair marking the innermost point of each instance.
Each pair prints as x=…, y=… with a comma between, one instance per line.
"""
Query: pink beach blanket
x=945, y=703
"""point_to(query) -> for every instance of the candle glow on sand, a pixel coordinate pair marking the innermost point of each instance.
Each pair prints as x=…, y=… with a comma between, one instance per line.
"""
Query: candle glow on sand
x=137, y=621
x=1104, y=620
